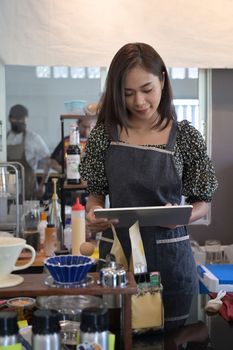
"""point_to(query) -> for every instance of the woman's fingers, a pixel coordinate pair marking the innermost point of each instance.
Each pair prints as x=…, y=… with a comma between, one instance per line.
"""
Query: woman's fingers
x=98, y=224
x=101, y=224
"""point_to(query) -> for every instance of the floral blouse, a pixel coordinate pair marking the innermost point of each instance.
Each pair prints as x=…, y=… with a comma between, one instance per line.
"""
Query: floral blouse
x=192, y=162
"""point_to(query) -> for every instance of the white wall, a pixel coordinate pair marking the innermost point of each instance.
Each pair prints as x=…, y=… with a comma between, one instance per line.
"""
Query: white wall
x=2, y=114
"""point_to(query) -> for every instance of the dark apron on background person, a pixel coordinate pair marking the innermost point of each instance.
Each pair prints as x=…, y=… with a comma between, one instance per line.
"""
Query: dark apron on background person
x=16, y=153
x=147, y=176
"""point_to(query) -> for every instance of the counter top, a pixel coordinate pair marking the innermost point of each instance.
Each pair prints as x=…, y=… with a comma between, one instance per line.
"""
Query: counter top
x=34, y=285
x=201, y=333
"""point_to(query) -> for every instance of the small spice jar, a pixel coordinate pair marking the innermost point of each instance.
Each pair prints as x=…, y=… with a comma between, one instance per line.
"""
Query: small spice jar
x=23, y=306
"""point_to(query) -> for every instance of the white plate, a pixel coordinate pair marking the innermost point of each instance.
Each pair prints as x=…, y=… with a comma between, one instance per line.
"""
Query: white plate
x=11, y=281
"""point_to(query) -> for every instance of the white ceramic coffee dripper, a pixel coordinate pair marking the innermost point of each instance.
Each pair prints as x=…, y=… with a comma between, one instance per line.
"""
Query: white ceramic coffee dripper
x=10, y=249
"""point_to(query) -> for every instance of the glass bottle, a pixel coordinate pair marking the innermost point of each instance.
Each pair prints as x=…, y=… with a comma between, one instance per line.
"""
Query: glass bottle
x=50, y=242
x=55, y=217
x=73, y=156
x=68, y=234
x=41, y=227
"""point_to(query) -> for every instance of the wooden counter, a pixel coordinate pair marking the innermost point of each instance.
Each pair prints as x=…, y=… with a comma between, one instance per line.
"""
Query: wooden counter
x=34, y=285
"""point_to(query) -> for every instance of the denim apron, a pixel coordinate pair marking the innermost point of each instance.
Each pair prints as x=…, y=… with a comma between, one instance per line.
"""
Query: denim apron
x=147, y=176
x=16, y=153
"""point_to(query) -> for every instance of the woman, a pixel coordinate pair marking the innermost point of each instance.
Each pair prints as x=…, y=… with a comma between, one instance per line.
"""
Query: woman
x=141, y=156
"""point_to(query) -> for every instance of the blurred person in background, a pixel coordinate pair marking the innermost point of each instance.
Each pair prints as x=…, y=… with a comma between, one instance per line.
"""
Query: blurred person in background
x=29, y=149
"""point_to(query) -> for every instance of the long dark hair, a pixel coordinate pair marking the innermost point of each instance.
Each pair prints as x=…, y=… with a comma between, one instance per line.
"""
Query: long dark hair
x=112, y=108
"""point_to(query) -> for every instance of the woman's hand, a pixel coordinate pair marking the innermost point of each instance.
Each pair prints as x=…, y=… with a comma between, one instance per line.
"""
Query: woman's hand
x=172, y=227
x=200, y=209
x=98, y=224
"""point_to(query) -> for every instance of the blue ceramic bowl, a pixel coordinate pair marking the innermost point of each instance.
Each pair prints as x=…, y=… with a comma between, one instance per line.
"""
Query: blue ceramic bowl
x=68, y=268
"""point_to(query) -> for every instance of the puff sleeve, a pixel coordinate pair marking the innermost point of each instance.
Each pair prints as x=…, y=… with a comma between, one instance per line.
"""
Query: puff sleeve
x=92, y=167
x=198, y=174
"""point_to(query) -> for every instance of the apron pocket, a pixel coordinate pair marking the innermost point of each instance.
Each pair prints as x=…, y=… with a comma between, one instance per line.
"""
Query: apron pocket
x=176, y=265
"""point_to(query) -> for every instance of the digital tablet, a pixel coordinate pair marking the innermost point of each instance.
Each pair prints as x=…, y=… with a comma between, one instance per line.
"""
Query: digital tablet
x=148, y=216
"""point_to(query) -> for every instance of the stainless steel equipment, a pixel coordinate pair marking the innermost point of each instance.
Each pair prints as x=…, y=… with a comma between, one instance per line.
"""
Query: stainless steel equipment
x=12, y=194
x=110, y=277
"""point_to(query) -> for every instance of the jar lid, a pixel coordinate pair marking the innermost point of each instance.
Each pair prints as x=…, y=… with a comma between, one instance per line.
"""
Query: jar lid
x=8, y=323
x=45, y=322
x=94, y=319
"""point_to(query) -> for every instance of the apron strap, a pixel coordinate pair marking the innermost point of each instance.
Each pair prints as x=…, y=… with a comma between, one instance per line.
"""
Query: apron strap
x=172, y=137
x=105, y=239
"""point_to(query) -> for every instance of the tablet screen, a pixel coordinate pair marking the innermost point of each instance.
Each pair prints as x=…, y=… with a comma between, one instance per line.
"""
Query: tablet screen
x=148, y=216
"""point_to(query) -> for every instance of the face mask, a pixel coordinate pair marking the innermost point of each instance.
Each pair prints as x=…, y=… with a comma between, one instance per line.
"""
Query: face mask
x=18, y=127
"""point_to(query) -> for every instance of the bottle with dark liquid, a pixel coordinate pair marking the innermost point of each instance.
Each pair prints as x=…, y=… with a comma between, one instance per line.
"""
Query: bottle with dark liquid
x=73, y=156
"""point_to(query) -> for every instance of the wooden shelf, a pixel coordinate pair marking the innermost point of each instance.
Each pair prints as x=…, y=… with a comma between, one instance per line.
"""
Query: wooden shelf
x=33, y=285
x=71, y=116
x=74, y=187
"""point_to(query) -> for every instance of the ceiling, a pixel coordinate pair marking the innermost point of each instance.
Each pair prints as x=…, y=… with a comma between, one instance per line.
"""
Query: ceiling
x=186, y=33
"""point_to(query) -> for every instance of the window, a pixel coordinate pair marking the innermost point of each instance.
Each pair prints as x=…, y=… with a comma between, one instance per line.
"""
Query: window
x=192, y=100
x=77, y=72
x=60, y=72
x=93, y=72
x=43, y=72
x=68, y=72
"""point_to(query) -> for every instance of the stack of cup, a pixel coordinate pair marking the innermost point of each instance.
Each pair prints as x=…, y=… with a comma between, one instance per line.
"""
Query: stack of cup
x=213, y=251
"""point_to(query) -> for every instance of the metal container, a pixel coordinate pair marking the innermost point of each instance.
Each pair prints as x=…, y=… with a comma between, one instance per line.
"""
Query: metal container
x=46, y=330
x=110, y=277
x=8, y=329
x=94, y=328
